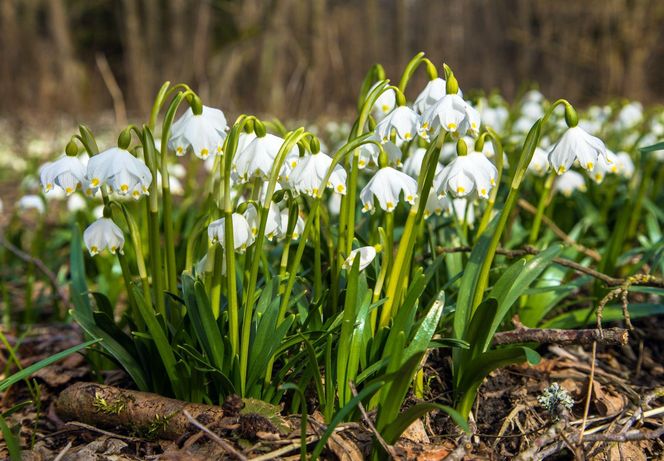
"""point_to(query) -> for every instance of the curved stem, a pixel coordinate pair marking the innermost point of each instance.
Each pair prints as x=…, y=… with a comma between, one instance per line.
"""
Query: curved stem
x=541, y=206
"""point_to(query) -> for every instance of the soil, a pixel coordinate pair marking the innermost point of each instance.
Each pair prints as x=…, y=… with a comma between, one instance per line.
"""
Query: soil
x=508, y=418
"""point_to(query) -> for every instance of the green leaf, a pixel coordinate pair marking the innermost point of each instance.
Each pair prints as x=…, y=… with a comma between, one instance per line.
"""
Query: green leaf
x=345, y=354
x=26, y=372
x=79, y=286
x=612, y=312
x=13, y=445
x=393, y=431
x=652, y=148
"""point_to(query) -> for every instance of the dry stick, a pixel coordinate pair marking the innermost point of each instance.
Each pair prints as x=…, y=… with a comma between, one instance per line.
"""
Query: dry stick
x=63, y=452
x=113, y=89
x=214, y=437
x=528, y=250
x=559, y=232
x=39, y=264
x=285, y=449
x=101, y=431
x=388, y=448
x=558, y=336
x=591, y=379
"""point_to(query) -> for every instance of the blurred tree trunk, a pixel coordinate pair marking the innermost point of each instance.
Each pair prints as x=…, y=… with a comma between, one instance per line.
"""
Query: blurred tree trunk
x=138, y=75
x=66, y=66
x=200, y=49
x=8, y=52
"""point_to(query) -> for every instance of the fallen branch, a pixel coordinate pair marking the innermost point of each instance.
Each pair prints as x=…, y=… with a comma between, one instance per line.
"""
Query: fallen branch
x=138, y=412
x=214, y=437
x=557, y=336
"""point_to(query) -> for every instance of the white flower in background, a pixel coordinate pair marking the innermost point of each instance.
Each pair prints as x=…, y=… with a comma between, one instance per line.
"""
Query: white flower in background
x=307, y=177
x=435, y=205
x=242, y=235
x=604, y=166
x=568, y=182
x=576, y=144
x=173, y=182
x=177, y=170
x=413, y=164
x=76, y=203
x=531, y=111
x=467, y=174
x=630, y=115
x=299, y=225
x=334, y=204
x=98, y=212
x=448, y=153
x=103, y=234
x=257, y=158
x=272, y=224
x=432, y=93
x=2, y=207
x=384, y=103
x=67, y=172
x=203, y=133
x=451, y=114
x=539, y=164
x=121, y=171
x=494, y=117
x=31, y=202
x=386, y=186
x=625, y=164
x=367, y=255
x=463, y=210
x=403, y=120
x=370, y=152
x=533, y=96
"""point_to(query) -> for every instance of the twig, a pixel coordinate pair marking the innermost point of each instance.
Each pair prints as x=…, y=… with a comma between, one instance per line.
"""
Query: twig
x=591, y=380
x=214, y=437
x=528, y=250
x=285, y=449
x=113, y=89
x=101, y=431
x=461, y=450
x=558, y=336
x=560, y=233
x=387, y=447
x=63, y=452
x=39, y=264
x=531, y=453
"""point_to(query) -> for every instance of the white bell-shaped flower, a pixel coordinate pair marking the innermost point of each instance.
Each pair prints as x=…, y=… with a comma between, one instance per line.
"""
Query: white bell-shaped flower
x=386, y=186
x=76, y=202
x=370, y=152
x=31, y=202
x=604, y=167
x=67, y=172
x=431, y=94
x=467, y=174
x=299, y=225
x=367, y=255
x=121, y=171
x=242, y=235
x=272, y=224
x=539, y=164
x=307, y=177
x=103, y=234
x=494, y=117
x=463, y=210
x=630, y=115
x=402, y=120
x=413, y=164
x=203, y=133
x=257, y=158
x=576, y=144
x=568, y=182
x=384, y=103
x=451, y=114
x=435, y=204
x=625, y=164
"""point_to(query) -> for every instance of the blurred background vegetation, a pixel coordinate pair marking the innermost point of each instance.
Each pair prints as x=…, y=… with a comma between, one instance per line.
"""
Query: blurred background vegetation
x=306, y=58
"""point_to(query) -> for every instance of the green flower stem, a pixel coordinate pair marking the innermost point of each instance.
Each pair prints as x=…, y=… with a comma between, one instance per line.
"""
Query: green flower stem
x=643, y=184
x=318, y=277
x=415, y=215
x=380, y=281
x=389, y=241
x=289, y=142
x=544, y=200
x=498, y=152
x=412, y=66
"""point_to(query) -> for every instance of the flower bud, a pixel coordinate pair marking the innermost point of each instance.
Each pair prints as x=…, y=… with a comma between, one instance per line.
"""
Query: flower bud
x=71, y=149
x=571, y=118
x=124, y=139
x=479, y=144
x=461, y=148
x=452, y=85
x=314, y=145
x=107, y=213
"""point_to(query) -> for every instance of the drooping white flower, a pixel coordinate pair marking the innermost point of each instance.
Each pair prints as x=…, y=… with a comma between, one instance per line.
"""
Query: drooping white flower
x=307, y=177
x=203, y=133
x=604, y=166
x=463, y=210
x=431, y=94
x=370, y=152
x=576, y=144
x=413, y=164
x=386, y=186
x=272, y=224
x=299, y=225
x=451, y=114
x=67, y=172
x=625, y=164
x=402, y=120
x=334, y=204
x=367, y=255
x=121, y=171
x=539, y=164
x=435, y=204
x=103, y=234
x=242, y=235
x=31, y=202
x=467, y=174
x=568, y=182
x=257, y=158
x=494, y=117
x=384, y=103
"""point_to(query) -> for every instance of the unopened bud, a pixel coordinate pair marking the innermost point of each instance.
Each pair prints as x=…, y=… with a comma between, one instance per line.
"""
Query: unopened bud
x=314, y=145
x=124, y=139
x=196, y=105
x=451, y=85
x=71, y=149
x=461, y=148
x=571, y=117
x=259, y=129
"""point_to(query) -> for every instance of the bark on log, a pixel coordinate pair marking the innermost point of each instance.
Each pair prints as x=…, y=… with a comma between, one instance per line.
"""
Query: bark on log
x=555, y=336
x=141, y=412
